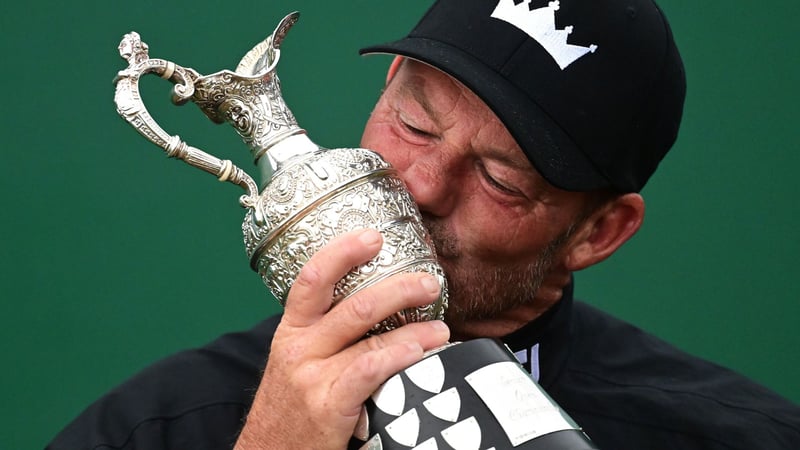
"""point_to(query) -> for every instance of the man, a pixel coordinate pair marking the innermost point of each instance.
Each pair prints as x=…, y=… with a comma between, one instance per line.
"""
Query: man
x=525, y=131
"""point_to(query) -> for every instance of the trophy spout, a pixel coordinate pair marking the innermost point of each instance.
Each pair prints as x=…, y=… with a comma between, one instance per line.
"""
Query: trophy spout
x=250, y=99
x=265, y=55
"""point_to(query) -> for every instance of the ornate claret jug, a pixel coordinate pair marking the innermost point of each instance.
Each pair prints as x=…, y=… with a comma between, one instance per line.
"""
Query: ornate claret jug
x=308, y=194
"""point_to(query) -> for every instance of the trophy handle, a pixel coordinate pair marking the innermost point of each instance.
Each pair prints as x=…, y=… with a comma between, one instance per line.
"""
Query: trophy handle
x=131, y=108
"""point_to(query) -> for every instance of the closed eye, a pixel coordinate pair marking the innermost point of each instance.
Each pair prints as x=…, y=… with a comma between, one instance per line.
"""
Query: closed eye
x=495, y=184
x=416, y=131
x=412, y=133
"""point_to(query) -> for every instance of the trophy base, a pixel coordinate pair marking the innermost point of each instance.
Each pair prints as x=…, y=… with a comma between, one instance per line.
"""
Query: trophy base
x=471, y=395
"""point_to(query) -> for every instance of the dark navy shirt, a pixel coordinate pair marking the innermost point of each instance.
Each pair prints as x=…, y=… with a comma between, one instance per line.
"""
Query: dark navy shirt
x=626, y=388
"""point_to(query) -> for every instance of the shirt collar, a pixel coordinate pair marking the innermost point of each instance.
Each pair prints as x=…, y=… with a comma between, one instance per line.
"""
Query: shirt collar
x=546, y=339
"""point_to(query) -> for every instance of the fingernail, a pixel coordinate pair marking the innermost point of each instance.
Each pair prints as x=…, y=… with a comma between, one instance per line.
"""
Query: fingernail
x=430, y=284
x=369, y=237
x=439, y=325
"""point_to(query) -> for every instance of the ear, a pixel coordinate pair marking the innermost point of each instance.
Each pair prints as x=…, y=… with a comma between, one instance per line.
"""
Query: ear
x=605, y=231
x=396, y=62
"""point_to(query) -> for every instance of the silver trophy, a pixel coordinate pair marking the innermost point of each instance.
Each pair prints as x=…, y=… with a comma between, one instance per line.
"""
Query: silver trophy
x=309, y=194
x=472, y=395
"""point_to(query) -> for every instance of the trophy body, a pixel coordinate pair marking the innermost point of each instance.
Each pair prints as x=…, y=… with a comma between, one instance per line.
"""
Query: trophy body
x=471, y=395
x=328, y=192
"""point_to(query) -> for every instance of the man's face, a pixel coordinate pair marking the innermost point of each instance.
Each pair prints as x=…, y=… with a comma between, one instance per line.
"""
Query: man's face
x=499, y=228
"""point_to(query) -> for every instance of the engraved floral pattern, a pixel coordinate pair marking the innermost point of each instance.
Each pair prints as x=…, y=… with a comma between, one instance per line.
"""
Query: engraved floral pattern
x=320, y=196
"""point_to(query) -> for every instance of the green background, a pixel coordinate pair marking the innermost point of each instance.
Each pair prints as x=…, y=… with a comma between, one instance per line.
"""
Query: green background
x=114, y=256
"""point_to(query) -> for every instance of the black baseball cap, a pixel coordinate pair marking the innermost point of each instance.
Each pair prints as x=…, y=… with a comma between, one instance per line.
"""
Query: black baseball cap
x=592, y=90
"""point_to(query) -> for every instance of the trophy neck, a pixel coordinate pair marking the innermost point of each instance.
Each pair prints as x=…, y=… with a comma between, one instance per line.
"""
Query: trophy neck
x=281, y=151
x=254, y=107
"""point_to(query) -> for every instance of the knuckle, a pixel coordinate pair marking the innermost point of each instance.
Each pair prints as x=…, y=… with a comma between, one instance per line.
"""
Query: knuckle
x=368, y=366
x=409, y=286
x=375, y=343
x=362, y=307
x=309, y=276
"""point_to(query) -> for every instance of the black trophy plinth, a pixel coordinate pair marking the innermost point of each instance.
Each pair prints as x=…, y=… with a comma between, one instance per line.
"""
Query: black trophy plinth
x=472, y=395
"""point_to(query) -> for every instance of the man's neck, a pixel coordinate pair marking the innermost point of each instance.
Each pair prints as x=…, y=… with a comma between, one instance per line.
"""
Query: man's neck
x=549, y=293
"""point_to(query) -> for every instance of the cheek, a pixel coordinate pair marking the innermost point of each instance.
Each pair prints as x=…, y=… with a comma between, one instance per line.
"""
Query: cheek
x=489, y=232
x=379, y=137
x=371, y=138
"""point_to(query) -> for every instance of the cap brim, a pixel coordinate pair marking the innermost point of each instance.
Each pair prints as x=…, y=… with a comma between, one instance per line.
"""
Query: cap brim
x=549, y=148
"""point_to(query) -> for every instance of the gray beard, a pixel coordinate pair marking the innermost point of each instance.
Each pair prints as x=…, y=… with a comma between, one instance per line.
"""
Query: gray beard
x=482, y=290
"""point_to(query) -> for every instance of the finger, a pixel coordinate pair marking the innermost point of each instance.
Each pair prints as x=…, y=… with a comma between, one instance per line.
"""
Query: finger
x=382, y=356
x=428, y=335
x=352, y=318
x=311, y=294
x=368, y=371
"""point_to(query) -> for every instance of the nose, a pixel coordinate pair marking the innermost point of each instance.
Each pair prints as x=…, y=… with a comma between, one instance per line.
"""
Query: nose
x=433, y=183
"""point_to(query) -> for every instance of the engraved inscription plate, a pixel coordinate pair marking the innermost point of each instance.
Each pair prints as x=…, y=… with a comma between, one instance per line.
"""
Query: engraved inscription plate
x=522, y=408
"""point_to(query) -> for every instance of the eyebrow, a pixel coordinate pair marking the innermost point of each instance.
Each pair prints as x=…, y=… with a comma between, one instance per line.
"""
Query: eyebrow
x=414, y=88
x=522, y=165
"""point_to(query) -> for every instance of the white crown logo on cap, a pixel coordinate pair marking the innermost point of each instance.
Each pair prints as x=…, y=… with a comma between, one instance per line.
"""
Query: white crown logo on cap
x=540, y=24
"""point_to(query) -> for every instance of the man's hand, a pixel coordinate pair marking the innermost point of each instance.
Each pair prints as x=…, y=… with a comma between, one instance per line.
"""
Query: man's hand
x=320, y=371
